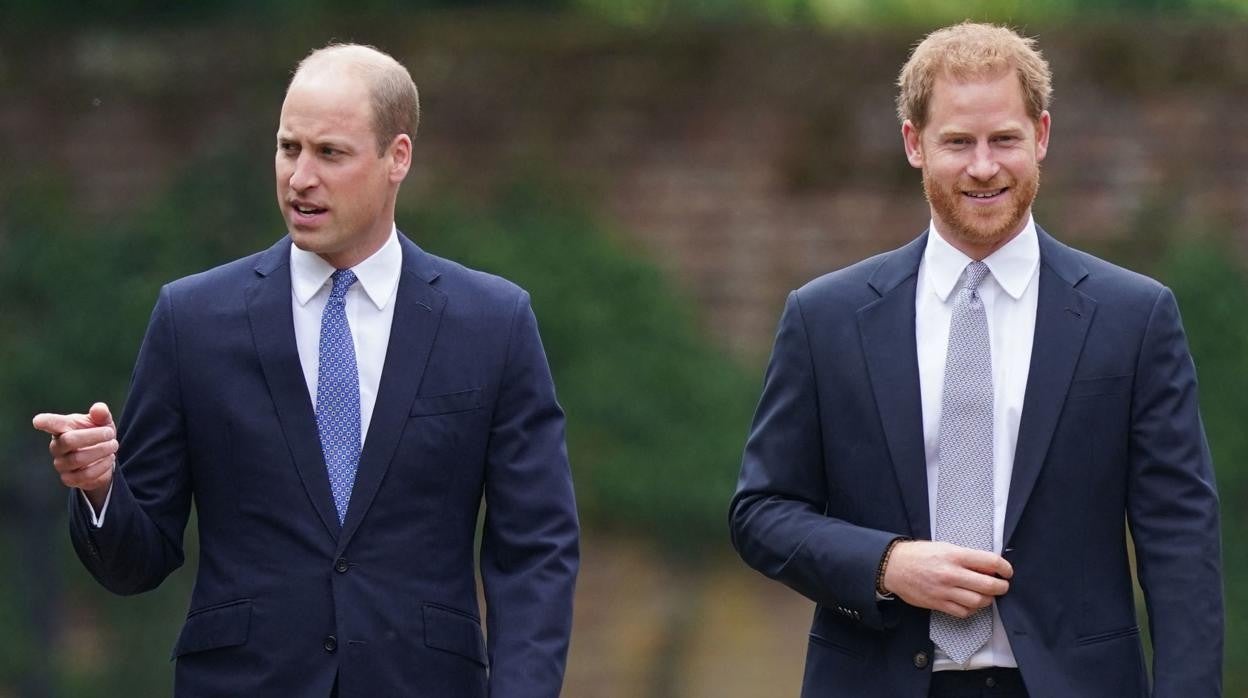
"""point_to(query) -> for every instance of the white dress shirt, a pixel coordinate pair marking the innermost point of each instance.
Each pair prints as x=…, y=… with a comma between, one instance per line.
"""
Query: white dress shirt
x=370, y=312
x=1009, y=294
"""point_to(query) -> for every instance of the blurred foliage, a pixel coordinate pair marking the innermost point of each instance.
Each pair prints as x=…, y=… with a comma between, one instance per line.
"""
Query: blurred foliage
x=656, y=416
x=818, y=12
x=45, y=12
x=83, y=292
x=1211, y=284
x=884, y=12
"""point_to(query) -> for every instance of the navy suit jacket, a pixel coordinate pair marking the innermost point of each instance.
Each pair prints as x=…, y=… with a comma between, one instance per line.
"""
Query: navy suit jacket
x=834, y=469
x=285, y=600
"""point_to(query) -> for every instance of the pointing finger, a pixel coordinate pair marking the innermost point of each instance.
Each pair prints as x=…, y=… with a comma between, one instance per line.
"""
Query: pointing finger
x=57, y=424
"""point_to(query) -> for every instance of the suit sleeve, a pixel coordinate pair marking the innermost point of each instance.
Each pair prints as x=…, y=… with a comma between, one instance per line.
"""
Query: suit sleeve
x=1172, y=508
x=140, y=541
x=529, y=546
x=777, y=516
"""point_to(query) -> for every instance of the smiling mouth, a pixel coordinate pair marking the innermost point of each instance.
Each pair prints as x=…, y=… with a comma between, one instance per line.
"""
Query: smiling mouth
x=982, y=195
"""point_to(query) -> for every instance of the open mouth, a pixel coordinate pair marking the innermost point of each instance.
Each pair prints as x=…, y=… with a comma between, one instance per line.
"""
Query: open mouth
x=988, y=195
x=305, y=210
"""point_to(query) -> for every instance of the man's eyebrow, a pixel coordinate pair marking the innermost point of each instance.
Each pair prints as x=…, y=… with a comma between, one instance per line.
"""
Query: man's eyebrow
x=1012, y=129
x=328, y=141
x=331, y=142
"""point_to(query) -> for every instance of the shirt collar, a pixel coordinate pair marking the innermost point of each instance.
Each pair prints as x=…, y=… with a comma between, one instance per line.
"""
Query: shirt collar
x=378, y=275
x=1012, y=266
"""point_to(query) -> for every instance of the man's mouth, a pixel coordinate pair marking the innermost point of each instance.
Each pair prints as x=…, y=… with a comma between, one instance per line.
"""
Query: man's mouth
x=987, y=194
x=306, y=209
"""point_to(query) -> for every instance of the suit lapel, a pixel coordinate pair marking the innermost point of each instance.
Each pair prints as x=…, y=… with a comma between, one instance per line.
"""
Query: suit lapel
x=1063, y=315
x=417, y=314
x=888, y=341
x=273, y=331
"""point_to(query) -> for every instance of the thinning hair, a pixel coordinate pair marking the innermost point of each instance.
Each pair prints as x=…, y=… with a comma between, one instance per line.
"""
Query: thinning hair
x=392, y=93
x=970, y=50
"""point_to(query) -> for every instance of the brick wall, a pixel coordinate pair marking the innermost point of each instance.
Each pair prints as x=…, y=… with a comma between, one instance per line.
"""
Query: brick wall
x=743, y=160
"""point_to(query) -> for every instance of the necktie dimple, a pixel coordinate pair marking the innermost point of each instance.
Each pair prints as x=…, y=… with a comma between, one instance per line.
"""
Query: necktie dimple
x=338, y=394
x=964, y=498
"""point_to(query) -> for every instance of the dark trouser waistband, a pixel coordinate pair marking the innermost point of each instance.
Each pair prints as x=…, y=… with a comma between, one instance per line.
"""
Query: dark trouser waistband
x=979, y=683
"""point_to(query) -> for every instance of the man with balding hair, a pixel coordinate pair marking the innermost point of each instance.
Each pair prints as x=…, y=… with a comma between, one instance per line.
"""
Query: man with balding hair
x=954, y=436
x=337, y=407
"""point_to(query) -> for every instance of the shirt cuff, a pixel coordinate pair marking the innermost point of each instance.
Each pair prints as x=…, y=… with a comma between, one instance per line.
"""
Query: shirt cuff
x=97, y=519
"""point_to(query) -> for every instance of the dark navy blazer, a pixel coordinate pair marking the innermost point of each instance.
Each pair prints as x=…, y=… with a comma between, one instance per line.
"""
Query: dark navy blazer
x=1111, y=436
x=284, y=599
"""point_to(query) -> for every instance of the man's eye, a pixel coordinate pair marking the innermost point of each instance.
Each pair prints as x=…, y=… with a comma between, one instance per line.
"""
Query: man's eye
x=287, y=147
x=329, y=152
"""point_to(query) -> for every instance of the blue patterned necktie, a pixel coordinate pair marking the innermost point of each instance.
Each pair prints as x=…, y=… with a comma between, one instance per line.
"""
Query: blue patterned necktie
x=964, y=497
x=338, y=394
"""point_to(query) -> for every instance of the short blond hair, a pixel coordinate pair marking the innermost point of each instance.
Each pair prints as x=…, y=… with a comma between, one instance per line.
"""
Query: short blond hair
x=392, y=93
x=970, y=50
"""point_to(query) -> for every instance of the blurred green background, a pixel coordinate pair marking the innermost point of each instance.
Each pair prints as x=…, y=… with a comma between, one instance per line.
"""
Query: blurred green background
x=658, y=173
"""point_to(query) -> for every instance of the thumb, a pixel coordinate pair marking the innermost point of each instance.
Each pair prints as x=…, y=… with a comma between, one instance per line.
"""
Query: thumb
x=100, y=415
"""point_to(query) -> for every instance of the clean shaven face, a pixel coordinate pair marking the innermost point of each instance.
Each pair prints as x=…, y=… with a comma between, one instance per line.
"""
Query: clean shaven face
x=334, y=190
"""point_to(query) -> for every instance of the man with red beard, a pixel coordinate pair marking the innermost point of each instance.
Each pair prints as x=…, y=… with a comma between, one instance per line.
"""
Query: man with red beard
x=954, y=436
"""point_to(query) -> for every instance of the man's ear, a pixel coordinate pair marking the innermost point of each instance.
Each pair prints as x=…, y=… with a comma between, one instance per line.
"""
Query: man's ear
x=910, y=137
x=1043, y=126
x=400, y=155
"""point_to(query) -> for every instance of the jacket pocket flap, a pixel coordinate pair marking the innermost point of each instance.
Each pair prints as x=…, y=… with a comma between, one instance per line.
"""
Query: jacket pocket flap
x=1091, y=387
x=443, y=404
x=455, y=632
x=1130, y=631
x=224, y=625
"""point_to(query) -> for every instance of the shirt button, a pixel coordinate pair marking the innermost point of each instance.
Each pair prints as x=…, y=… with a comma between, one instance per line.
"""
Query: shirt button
x=331, y=644
x=990, y=682
x=341, y=565
x=920, y=660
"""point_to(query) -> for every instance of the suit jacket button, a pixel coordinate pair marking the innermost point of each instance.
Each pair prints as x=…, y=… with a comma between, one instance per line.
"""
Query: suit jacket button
x=341, y=565
x=331, y=644
x=920, y=660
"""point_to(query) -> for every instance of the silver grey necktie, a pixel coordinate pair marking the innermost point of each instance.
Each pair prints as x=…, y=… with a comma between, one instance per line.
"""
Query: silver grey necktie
x=964, y=488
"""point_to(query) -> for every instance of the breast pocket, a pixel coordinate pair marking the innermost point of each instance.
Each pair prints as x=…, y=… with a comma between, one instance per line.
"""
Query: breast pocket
x=444, y=440
x=1084, y=388
x=446, y=403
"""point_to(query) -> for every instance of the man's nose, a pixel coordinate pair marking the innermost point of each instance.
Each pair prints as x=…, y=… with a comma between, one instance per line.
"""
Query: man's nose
x=303, y=176
x=983, y=166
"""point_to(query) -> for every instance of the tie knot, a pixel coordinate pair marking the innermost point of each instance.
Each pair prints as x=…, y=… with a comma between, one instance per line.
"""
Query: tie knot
x=343, y=278
x=974, y=274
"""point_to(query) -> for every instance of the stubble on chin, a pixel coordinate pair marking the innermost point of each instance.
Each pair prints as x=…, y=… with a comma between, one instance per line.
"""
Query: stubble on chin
x=980, y=231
